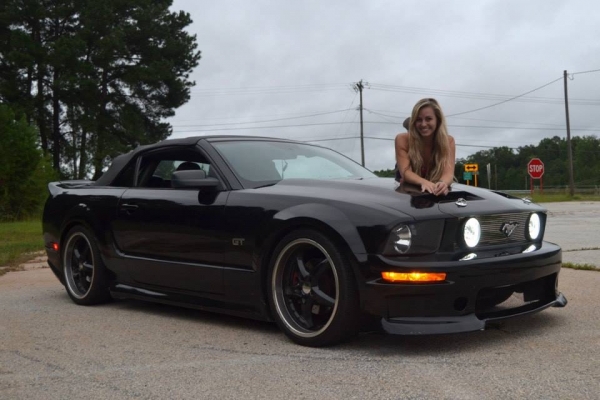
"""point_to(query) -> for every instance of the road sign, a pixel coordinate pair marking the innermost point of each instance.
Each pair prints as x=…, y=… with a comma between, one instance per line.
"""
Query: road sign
x=467, y=176
x=535, y=168
x=471, y=167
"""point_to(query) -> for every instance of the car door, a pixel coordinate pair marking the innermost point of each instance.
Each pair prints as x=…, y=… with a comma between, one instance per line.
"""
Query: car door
x=172, y=238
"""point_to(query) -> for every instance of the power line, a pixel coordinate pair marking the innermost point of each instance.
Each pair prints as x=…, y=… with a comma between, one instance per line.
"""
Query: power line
x=260, y=127
x=312, y=85
x=269, y=89
x=268, y=120
x=457, y=144
x=473, y=119
x=475, y=145
x=502, y=102
x=376, y=122
x=585, y=72
x=346, y=115
x=391, y=139
x=477, y=95
x=383, y=116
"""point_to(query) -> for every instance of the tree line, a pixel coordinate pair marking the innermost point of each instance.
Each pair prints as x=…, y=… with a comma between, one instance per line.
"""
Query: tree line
x=508, y=166
x=95, y=78
x=82, y=81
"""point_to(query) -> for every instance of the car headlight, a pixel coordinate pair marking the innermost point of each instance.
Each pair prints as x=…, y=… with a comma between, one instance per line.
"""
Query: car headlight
x=402, y=239
x=409, y=238
x=472, y=232
x=534, y=227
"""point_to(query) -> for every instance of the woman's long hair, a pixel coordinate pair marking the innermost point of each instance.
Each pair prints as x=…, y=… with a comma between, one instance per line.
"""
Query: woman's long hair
x=440, y=152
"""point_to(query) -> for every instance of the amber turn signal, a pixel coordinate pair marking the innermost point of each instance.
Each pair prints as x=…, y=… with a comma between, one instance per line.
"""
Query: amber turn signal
x=413, y=276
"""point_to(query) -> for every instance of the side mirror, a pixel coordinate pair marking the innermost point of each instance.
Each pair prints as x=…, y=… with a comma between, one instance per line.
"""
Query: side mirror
x=193, y=179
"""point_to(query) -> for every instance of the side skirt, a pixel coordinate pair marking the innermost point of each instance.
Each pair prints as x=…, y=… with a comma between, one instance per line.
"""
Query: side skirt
x=121, y=291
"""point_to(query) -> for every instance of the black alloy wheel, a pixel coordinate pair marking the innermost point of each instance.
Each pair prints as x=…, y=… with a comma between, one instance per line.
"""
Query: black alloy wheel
x=84, y=272
x=312, y=290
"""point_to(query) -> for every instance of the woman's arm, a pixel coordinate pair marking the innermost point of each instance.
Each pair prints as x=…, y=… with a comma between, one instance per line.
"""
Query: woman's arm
x=408, y=175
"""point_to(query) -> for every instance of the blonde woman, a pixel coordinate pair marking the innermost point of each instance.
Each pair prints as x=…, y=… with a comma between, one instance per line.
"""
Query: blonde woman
x=426, y=153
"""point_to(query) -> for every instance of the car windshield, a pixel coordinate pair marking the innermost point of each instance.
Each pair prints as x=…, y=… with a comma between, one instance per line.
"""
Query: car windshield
x=260, y=163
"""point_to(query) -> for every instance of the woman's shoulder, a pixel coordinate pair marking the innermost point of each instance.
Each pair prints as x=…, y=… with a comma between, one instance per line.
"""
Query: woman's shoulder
x=402, y=137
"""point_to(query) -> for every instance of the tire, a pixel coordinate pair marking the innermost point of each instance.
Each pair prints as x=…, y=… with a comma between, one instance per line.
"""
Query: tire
x=86, y=278
x=312, y=290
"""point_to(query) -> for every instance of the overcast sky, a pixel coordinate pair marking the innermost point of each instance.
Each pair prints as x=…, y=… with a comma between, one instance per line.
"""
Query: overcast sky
x=296, y=62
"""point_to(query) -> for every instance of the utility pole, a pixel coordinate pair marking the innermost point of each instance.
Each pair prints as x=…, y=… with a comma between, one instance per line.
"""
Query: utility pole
x=571, y=183
x=496, y=175
x=359, y=86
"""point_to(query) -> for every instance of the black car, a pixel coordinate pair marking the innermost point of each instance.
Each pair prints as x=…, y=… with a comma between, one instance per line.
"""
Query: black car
x=286, y=231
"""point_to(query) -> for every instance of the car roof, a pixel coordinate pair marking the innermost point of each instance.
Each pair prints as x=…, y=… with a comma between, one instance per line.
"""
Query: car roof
x=120, y=161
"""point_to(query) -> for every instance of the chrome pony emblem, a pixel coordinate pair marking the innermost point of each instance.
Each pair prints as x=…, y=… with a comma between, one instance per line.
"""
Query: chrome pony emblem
x=461, y=202
x=508, y=228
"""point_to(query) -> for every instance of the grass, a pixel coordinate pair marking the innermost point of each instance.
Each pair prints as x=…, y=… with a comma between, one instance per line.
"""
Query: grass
x=17, y=241
x=556, y=197
x=584, y=267
x=582, y=249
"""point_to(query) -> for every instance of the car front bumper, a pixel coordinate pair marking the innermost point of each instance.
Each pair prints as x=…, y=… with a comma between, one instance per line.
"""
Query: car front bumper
x=466, y=300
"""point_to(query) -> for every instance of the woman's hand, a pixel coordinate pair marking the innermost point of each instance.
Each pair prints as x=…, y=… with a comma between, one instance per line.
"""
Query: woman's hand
x=440, y=188
x=428, y=187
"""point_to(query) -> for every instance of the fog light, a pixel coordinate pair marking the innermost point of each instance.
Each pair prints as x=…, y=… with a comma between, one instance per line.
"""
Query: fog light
x=470, y=256
x=410, y=277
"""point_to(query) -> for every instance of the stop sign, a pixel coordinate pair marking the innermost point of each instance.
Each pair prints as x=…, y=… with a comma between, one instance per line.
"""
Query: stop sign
x=535, y=168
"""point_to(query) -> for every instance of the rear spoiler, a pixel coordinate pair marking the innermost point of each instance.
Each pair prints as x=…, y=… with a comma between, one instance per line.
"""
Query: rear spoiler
x=56, y=187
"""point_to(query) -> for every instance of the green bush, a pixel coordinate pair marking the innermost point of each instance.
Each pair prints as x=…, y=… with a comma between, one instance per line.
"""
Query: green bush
x=24, y=171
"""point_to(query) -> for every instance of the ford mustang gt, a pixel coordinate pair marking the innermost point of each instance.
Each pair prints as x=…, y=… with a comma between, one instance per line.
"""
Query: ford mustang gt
x=298, y=234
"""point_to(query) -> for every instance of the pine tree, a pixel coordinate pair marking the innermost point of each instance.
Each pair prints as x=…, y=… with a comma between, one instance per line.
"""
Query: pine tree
x=97, y=78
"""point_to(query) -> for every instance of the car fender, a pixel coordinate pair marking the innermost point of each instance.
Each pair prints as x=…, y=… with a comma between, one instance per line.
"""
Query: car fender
x=331, y=216
x=317, y=216
x=85, y=213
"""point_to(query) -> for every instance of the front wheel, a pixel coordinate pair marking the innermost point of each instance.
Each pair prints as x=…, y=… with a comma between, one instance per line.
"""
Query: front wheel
x=312, y=290
x=85, y=275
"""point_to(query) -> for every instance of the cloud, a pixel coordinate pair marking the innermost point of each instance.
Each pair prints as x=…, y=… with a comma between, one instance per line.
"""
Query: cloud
x=302, y=58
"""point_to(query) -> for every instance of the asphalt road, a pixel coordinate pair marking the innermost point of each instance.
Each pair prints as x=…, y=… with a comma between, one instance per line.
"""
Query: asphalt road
x=52, y=349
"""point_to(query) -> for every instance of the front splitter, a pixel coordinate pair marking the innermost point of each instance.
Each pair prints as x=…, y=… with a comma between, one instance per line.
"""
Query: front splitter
x=464, y=323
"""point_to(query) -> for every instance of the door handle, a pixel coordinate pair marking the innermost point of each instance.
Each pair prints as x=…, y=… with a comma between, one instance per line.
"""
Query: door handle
x=129, y=208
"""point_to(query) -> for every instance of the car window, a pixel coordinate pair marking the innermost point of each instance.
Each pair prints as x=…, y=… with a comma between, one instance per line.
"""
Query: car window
x=165, y=168
x=155, y=168
x=262, y=162
x=157, y=173
x=314, y=167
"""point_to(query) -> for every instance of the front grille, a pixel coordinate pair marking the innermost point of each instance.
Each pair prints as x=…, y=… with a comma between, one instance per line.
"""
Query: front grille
x=491, y=229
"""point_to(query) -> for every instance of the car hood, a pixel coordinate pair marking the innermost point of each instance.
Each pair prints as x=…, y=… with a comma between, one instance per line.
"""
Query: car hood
x=406, y=199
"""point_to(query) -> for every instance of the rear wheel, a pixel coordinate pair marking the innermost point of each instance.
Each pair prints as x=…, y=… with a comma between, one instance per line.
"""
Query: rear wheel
x=312, y=290
x=85, y=275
